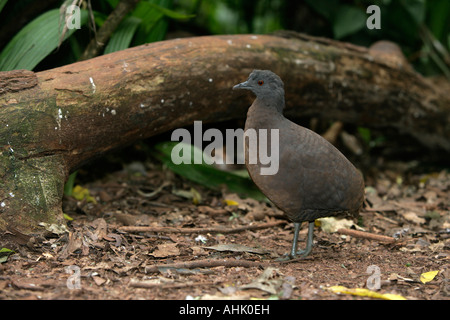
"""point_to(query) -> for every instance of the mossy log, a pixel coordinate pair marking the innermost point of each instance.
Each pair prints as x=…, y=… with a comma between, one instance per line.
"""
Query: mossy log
x=51, y=122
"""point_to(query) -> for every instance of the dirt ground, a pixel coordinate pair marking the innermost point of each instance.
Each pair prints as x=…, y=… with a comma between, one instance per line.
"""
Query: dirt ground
x=98, y=260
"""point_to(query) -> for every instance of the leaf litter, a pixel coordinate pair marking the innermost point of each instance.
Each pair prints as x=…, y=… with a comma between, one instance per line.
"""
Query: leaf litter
x=115, y=264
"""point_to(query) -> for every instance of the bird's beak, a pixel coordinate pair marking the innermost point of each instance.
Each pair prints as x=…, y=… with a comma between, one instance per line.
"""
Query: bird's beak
x=243, y=85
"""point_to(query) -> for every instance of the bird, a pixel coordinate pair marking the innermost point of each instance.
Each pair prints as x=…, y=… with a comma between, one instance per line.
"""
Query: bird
x=314, y=179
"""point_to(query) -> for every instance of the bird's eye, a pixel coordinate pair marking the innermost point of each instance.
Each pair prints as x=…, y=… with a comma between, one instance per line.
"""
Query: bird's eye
x=260, y=82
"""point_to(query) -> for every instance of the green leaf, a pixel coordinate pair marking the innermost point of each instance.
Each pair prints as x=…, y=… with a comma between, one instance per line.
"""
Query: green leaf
x=4, y=254
x=348, y=20
x=438, y=17
x=325, y=8
x=123, y=35
x=151, y=19
x=416, y=9
x=207, y=175
x=68, y=187
x=35, y=41
x=365, y=134
x=172, y=14
x=154, y=23
x=2, y=4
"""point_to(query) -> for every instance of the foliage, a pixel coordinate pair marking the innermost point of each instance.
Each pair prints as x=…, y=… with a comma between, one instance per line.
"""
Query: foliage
x=420, y=27
x=4, y=252
x=35, y=41
x=40, y=38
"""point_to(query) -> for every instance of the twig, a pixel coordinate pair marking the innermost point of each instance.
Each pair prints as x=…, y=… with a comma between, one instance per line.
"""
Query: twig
x=200, y=230
x=206, y=264
x=151, y=285
x=366, y=235
x=104, y=33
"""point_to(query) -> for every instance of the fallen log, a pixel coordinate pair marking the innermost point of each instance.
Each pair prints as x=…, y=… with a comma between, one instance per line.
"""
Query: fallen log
x=52, y=122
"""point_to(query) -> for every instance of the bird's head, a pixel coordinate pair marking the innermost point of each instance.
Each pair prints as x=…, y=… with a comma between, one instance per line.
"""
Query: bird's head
x=265, y=84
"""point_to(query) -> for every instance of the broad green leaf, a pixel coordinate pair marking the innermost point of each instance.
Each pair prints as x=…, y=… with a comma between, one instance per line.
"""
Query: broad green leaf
x=123, y=35
x=348, y=20
x=35, y=41
x=207, y=175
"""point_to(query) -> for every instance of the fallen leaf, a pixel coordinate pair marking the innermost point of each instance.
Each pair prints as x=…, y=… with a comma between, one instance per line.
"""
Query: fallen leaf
x=191, y=194
x=98, y=280
x=81, y=193
x=269, y=281
x=237, y=248
x=428, y=276
x=231, y=202
x=54, y=228
x=413, y=217
x=365, y=293
x=165, y=250
x=331, y=224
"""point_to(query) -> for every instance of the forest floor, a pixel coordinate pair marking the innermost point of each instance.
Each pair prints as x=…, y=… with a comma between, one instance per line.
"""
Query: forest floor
x=198, y=252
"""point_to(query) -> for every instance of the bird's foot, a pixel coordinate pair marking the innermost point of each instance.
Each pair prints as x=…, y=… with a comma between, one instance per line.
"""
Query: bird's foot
x=284, y=257
x=289, y=256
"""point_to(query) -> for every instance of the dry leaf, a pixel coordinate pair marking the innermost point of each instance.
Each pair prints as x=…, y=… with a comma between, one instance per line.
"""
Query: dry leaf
x=165, y=250
x=98, y=280
x=413, y=217
x=331, y=224
x=269, y=281
x=237, y=248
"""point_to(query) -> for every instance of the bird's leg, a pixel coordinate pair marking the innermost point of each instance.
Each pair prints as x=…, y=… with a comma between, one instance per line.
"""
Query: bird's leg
x=309, y=240
x=295, y=241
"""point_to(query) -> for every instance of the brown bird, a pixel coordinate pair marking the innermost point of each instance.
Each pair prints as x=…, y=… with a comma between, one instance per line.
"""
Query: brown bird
x=314, y=179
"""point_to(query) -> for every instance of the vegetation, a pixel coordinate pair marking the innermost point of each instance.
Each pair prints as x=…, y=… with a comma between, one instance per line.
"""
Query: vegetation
x=32, y=31
x=34, y=35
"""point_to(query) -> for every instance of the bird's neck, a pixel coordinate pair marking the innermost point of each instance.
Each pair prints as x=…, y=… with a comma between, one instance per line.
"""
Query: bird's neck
x=264, y=113
x=272, y=99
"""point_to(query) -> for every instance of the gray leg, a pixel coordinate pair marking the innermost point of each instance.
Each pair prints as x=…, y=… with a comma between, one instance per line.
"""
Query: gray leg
x=309, y=241
x=295, y=241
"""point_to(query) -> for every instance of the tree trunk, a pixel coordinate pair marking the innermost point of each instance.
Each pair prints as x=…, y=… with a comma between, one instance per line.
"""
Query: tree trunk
x=53, y=121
